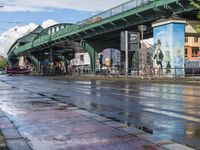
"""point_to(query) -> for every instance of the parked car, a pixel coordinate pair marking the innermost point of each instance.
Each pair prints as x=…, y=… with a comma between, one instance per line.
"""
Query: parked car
x=17, y=70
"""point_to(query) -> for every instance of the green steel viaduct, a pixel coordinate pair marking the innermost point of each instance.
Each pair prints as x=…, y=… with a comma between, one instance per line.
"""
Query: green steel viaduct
x=100, y=31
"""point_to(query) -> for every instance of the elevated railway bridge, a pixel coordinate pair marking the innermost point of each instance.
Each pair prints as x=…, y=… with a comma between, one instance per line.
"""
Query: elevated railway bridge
x=100, y=31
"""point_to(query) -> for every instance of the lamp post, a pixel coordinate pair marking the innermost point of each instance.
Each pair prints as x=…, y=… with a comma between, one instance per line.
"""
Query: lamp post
x=142, y=28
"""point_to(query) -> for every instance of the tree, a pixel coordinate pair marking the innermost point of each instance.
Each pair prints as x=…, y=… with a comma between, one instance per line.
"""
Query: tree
x=196, y=4
x=3, y=64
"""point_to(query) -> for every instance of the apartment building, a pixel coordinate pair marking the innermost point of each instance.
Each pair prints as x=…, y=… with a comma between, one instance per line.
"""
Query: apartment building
x=192, y=41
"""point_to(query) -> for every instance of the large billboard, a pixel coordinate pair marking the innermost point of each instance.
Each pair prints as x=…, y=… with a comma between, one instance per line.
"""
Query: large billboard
x=169, y=47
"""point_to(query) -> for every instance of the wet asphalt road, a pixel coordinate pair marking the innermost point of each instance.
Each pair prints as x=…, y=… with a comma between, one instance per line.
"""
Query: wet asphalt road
x=165, y=110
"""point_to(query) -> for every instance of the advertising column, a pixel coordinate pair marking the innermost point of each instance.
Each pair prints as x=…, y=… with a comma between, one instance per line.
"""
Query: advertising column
x=169, y=38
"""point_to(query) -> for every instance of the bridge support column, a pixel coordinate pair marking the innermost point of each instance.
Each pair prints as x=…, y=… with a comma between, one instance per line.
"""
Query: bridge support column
x=35, y=62
x=96, y=46
x=89, y=46
x=169, y=36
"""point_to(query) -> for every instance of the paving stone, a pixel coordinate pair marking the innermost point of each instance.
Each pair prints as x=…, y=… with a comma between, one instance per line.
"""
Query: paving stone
x=86, y=113
x=18, y=144
x=72, y=108
x=54, y=101
x=176, y=146
x=62, y=104
x=165, y=142
x=132, y=130
x=150, y=138
x=114, y=124
x=80, y=111
x=2, y=114
x=101, y=119
x=5, y=123
x=11, y=133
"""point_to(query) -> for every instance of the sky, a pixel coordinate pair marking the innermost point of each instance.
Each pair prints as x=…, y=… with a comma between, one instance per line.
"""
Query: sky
x=19, y=17
x=22, y=12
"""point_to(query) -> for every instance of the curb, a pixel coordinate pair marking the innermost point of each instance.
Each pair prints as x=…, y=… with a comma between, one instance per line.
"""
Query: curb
x=186, y=81
x=170, y=145
x=13, y=139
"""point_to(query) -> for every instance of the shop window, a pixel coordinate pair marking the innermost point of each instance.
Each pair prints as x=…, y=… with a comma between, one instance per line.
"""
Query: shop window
x=186, y=53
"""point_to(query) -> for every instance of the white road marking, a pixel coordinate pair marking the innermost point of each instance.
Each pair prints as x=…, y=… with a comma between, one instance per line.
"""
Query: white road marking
x=140, y=97
x=172, y=114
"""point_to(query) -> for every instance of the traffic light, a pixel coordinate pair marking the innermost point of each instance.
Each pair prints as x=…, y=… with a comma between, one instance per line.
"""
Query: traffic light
x=101, y=59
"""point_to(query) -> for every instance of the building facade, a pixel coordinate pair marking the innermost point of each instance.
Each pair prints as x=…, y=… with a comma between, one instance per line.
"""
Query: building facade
x=192, y=41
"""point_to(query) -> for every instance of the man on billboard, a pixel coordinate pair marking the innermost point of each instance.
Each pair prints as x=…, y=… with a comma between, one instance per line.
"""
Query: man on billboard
x=178, y=63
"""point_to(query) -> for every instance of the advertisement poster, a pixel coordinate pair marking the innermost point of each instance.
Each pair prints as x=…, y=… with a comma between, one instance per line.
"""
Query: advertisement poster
x=169, y=48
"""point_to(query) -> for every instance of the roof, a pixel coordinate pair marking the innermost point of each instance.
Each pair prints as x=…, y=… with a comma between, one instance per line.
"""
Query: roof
x=27, y=38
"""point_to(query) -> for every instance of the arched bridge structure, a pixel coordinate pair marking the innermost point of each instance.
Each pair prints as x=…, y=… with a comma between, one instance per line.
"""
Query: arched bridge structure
x=103, y=30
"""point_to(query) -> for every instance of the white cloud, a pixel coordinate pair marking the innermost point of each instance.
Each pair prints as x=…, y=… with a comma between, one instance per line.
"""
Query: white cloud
x=45, y=5
x=48, y=23
x=11, y=35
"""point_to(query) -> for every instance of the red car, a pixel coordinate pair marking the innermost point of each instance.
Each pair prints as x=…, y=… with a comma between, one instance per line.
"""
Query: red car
x=16, y=70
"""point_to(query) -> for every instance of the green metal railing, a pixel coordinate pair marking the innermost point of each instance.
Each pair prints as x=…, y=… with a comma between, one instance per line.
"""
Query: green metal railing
x=114, y=11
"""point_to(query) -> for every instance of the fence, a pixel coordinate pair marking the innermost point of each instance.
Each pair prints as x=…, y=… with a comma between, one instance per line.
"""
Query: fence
x=145, y=72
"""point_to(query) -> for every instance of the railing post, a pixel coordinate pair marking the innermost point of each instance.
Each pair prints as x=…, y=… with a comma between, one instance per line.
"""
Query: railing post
x=193, y=71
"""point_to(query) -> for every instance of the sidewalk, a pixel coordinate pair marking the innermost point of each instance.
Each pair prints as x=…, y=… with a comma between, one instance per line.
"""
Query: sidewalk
x=2, y=140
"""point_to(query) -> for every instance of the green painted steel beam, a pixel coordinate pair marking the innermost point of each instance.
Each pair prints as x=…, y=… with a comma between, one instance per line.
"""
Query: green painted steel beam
x=76, y=30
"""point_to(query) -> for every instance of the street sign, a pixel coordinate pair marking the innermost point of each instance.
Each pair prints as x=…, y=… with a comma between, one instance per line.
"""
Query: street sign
x=133, y=41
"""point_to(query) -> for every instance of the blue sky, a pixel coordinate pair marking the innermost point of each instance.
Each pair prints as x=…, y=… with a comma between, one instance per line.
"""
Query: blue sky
x=22, y=12
x=10, y=19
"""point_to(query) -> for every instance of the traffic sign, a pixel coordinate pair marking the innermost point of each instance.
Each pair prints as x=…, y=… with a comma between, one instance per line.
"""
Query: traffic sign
x=133, y=41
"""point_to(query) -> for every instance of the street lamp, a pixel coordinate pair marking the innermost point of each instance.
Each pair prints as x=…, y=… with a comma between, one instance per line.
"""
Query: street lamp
x=142, y=28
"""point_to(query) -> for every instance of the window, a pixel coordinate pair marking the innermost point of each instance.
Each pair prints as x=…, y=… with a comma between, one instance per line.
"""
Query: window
x=186, y=39
x=186, y=53
x=195, y=50
x=195, y=39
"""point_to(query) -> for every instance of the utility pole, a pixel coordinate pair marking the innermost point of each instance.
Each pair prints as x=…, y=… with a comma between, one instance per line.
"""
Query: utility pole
x=142, y=28
x=126, y=53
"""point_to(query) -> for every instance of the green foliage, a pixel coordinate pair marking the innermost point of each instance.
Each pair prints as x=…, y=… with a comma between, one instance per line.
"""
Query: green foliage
x=196, y=4
x=3, y=64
